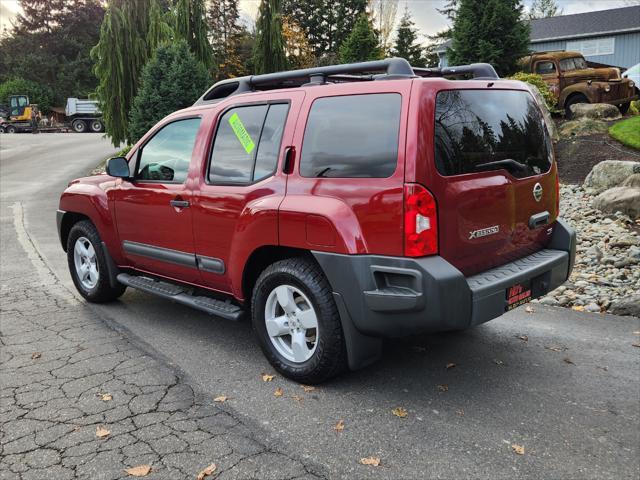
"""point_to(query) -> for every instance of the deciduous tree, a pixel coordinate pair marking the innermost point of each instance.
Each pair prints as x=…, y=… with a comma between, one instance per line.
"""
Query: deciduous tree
x=544, y=9
x=384, y=18
x=296, y=45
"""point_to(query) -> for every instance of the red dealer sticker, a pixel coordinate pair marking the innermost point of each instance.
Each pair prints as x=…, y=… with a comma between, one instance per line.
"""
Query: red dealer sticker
x=517, y=295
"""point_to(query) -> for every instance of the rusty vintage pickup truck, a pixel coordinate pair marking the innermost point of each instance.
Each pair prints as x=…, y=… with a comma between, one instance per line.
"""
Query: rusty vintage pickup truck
x=572, y=81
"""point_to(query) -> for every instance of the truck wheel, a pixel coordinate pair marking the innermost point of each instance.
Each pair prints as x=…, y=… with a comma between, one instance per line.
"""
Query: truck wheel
x=297, y=321
x=624, y=108
x=88, y=265
x=1, y=129
x=11, y=129
x=96, y=126
x=79, y=126
x=573, y=100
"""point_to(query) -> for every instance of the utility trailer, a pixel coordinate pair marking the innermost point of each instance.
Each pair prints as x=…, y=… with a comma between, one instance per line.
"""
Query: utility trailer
x=84, y=115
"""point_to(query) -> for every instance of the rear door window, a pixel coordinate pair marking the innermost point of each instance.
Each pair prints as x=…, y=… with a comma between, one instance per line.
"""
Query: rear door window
x=480, y=130
x=352, y=136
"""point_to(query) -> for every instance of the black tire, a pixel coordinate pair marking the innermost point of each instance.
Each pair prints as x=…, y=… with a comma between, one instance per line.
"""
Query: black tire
x=11, y=129
x=624, y=108
x=102, y=291
x=573, y=100
x=330, y=356
x=2, y=130
x=96, y=126
x=79, y=126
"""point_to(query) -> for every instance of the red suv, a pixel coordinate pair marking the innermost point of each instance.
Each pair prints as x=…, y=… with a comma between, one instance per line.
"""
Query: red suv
x=336, y=205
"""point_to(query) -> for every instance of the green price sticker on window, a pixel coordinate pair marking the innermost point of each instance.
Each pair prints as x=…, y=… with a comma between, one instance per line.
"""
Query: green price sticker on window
x=241, y=133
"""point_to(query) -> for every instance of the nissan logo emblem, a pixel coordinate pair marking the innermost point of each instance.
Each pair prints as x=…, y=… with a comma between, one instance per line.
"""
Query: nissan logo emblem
x=537, y=192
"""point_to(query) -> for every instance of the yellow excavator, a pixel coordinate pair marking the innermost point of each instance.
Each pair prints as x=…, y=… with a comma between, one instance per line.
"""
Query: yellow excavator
x=19, y=115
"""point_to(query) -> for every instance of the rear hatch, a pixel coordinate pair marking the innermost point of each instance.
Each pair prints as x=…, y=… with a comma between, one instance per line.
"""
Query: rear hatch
x=491, y=172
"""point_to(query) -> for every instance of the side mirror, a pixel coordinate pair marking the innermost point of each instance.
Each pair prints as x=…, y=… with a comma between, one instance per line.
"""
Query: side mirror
x=118, y=167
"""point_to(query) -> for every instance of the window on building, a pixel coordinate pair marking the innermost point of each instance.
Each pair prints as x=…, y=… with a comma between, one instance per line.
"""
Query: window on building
x=593, y=46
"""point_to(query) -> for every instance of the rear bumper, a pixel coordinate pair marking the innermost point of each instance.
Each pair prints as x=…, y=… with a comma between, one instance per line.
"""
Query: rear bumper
x=398, y=296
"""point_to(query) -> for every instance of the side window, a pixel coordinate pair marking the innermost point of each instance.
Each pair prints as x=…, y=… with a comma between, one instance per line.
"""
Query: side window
x=247, y=143
x=352, y=136
x=166, y=157
x=545, y=68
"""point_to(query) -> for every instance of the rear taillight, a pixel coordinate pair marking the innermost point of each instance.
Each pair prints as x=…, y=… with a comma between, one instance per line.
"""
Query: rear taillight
x=420, y=222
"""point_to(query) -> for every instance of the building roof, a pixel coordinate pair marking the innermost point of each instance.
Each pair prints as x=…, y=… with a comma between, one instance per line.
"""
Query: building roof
x=589, y=24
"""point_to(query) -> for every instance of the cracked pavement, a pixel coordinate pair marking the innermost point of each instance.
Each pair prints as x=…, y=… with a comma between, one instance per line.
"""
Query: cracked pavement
x=164, y=364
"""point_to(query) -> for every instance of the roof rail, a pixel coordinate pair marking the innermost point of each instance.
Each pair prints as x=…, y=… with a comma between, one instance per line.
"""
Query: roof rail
x=390, y=68
x=478, y=70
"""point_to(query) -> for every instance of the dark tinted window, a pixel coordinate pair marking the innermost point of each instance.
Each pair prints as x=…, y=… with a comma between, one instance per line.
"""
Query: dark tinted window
x=269, y=146
x=166, y=157
x=352, y=136
x=247, y=144
x=478, y=130
x=544, y=68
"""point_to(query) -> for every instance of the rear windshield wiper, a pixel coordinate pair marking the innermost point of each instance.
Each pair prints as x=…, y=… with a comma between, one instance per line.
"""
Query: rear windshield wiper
x=508, y=164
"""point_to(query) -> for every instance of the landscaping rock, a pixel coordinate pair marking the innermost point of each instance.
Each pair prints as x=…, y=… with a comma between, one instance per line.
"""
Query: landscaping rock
x=595, y=111
x=629, y=306
x=632, y=181
x=619, y=199
x=609, y=173
x=578, y=128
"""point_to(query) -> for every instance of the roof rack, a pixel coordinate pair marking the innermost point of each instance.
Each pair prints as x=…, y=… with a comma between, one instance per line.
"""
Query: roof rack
x=387, y=69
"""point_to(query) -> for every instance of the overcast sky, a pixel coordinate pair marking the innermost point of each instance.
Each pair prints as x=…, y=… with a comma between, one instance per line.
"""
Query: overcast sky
x=424, y=12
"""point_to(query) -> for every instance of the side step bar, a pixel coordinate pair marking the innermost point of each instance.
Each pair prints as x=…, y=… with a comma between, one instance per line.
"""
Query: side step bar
x=177, y=293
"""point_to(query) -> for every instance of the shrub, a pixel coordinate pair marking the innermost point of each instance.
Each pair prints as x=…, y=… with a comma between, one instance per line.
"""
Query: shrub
x=537, y=81
x=38, y=94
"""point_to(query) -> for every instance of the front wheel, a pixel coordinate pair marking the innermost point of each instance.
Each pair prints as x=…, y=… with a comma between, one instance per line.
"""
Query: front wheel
x=88, y=265
x=297, y=321
x=79, y=126
x=624, y=108
x=573, y=100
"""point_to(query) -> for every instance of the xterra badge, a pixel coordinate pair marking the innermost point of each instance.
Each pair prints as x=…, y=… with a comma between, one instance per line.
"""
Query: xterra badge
x=483, y=232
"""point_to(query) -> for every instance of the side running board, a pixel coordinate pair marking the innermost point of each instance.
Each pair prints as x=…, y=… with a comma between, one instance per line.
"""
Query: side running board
x=177, y=293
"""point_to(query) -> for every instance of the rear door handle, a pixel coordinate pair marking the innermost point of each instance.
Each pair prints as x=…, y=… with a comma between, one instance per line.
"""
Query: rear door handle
x=179, y=203
x=538, y=219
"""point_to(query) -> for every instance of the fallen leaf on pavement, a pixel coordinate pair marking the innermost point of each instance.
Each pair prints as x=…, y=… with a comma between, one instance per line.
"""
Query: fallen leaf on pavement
x=139, y=471
x=460, y=412
x=443, y=388
x=519, y=449
x=498, y=362
x=102, y=432
x=578, y=308
x=106, y=397
x=297, y=398
x=35, y=355
x=278, y=392
x=339, y=426
x=375, y=461
x=524, y=338
x=308, y=388
x=221, y=399
x=555, y=348
x=266, y=377
x=568, y=360
x=450, y=365
x=606, y=369
x=399, y=412
x=207, y=471
x=529, y=309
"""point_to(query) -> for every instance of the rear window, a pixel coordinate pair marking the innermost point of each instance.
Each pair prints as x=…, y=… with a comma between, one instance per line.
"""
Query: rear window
x=479, y=130
x=352, y=136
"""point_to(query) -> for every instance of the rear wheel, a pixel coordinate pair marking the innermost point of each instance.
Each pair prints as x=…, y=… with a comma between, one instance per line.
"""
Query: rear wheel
x=573, y=100
x=297, y=321
x=88, y=265
x=624, y=108
x=79, y=126
x=96, y=126
x=11, y=129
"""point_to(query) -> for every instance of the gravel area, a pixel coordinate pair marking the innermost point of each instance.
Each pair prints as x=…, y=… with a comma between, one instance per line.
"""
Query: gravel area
x=606, y=276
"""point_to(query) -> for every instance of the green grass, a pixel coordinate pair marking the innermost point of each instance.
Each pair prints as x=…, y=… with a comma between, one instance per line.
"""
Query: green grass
x=627, y=132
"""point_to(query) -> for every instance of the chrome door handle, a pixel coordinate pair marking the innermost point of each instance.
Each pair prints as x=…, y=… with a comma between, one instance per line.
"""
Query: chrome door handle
x=179, y=203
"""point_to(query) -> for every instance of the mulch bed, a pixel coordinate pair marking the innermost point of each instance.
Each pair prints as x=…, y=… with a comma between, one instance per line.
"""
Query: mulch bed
x=577, y=156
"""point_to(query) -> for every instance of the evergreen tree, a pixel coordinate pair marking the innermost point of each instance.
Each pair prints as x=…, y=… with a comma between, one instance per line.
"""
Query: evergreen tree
x=491, y=31
x=327, y=23
x=406, y=45
x=191, y=25
x=544, y=9
x=269, y=53
x=362, y=44
x=225, y=35
x=172, y=79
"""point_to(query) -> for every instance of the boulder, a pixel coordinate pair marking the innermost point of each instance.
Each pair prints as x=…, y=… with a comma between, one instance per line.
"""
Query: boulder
x=619, y=199
x=585, y=126
x=595, y=111
x=628, y=306
x=632, y=181
x=610, y=173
